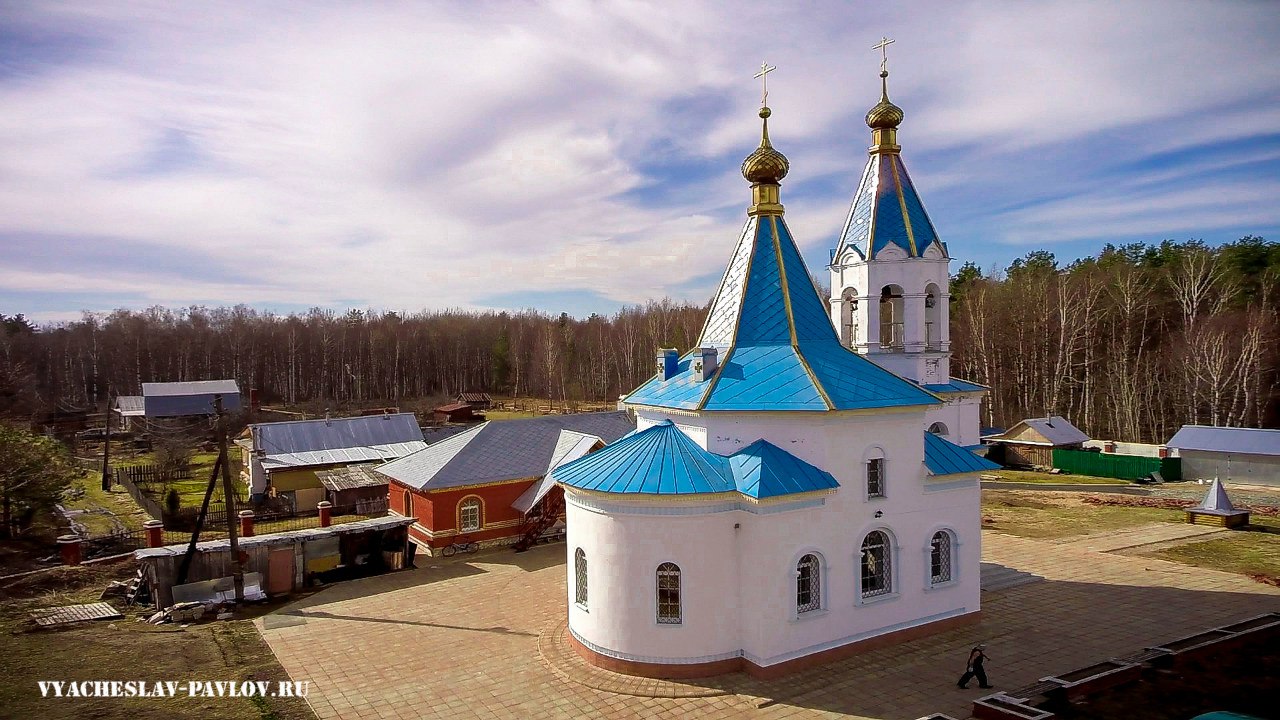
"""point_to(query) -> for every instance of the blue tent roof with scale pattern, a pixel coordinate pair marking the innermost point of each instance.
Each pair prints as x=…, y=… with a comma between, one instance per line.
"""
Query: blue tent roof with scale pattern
x=778, y=349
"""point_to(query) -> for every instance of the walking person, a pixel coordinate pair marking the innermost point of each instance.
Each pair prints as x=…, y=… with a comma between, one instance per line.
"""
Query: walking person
x=974, y=669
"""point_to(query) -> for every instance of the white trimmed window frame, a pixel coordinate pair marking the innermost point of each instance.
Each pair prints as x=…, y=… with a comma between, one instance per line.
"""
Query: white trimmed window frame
x=891, y=548
x=580, y=579
x=470, y=505
x=954, y=567
x=875, y=453
x=793, y=588
x=668, y=620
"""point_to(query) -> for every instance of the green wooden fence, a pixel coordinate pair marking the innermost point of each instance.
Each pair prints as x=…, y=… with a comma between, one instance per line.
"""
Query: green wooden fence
x=1125, y=467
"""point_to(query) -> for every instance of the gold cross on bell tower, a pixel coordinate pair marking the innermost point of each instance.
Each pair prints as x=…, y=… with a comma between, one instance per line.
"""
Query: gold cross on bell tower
x=883, y=47
x=765, y=69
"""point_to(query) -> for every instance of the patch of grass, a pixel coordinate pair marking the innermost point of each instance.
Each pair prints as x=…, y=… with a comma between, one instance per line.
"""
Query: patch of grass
x=1026, y=476
x=129, y=650
x=116, y=500
x=1249, y=553
x=1045, y=515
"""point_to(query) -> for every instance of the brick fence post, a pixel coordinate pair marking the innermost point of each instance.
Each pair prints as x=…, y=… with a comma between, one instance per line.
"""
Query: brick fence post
x=246, y=523
x=155, y=533
x=69, y=547
x=324, y=507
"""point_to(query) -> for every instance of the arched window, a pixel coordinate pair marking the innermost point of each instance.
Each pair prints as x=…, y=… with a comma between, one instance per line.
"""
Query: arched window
x=875, y=474
x=933, y=318
x=938, y=429
x=669, y=594
x=891, y=318
x=940, y=558
x=408, y=504
x=470, y=515
x=849, y=316
x=808, y=584
x=877, y=578
x=580, y=577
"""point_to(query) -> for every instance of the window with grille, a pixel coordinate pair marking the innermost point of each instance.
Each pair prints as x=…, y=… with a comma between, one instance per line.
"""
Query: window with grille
x=875, y=477
x=808, y=589
x=876, y=577
x=580, y=577
x=469, y=518
x=940, y=557
x=669, y=594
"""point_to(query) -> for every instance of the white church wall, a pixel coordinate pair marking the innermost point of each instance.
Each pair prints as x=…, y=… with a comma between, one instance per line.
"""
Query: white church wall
x=624, y=551
x=960, y=416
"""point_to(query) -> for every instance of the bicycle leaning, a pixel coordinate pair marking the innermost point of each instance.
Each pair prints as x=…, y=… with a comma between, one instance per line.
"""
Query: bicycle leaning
x=463, y=545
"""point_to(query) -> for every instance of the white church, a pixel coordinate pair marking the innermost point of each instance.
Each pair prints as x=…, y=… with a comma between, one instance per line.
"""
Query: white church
x=798, y=486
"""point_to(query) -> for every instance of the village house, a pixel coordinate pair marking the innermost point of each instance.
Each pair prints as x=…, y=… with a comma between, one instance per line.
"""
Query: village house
x=1031, y=443
x=283, y=459
x=488, y=484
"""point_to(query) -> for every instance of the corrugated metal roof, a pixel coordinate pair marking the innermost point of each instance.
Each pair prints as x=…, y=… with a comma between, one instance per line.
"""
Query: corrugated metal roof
x=662, y=460
x=350, y=478
x=956, y=385
x=1055, y=429
x=297, y=436
x=195, y=387
x=373, y=453
x=289, y=536
x=1216, y=502
x=505, y=450
x=1248, y=441
x=129, y=405
x=778, y=348
x=762, y=470
x=943, y=457
x=887, y=211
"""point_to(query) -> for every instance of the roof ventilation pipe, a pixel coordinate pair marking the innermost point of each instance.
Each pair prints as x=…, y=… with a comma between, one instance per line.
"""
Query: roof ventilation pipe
x=705, y=363
x=668, y=363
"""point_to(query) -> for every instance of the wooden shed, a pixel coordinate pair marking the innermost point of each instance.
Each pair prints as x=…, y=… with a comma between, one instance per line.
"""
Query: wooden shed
x=1032, y=442
x=458, y=412
x=286, y=561
x=477, y=400
x=356, y=486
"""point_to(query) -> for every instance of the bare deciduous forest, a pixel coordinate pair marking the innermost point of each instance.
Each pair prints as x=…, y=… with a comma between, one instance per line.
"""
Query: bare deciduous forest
x=1129, y=344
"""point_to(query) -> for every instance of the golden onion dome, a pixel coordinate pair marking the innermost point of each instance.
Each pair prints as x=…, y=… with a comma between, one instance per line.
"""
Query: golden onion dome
x=765, y=165
x=885, y=115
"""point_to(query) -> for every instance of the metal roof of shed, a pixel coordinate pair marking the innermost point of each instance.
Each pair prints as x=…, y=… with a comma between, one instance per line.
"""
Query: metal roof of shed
x=350, y=478
x=1247, y=441
x=290, y=536
x=130, y=405
x=194, y=387
x=296, y=436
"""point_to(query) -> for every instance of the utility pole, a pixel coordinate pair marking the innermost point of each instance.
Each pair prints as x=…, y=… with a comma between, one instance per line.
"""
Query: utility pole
x=106, y=449
x=228, y=496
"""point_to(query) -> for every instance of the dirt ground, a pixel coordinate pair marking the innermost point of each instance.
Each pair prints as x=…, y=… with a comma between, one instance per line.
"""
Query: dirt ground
x=126, y=649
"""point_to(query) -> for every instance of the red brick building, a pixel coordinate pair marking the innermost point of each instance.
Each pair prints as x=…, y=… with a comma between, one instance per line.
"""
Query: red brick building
x=488, y=484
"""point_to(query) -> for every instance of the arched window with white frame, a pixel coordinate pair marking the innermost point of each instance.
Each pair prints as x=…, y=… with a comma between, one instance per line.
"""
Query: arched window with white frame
x=940, y=558
x=877, y=570
x=808, y=584
x=669, y=610
x=938, y=429
x=875, y=470
x=580, y=577
x=470, y=515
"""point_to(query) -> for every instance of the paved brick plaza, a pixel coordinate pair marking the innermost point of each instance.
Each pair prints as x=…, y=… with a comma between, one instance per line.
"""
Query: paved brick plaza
x=481, y=637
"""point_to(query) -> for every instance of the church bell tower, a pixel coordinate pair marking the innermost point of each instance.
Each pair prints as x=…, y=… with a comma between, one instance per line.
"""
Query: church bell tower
x=889, y=268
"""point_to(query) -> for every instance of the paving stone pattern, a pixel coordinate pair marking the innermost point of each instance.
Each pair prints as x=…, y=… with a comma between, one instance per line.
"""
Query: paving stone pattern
x=482, y=637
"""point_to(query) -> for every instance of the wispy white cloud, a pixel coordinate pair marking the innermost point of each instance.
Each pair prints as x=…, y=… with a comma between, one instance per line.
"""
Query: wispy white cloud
x=410, y=155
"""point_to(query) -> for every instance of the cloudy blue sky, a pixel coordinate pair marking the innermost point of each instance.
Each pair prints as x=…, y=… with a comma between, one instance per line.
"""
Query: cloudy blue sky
x=578, y=156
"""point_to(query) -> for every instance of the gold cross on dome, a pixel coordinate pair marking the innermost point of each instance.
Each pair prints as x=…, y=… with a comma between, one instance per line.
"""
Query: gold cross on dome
x=883, y=47
x=765, y=69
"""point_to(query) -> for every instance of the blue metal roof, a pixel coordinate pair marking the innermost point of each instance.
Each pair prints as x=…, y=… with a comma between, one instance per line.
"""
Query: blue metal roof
x=1248, y=441
x=662, y=460
x=887, y=211
x=955, y=386
x=779, y=350
x=943, y=457
x=763, y=470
